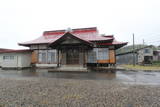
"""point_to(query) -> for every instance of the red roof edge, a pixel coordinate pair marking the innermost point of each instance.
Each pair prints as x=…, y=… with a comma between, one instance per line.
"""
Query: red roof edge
x=56, y=32
x=4, y=49
x=17, y=51
x=78, y=30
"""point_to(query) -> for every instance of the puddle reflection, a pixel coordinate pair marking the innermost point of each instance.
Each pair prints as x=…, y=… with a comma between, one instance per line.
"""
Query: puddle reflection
x=119, y=76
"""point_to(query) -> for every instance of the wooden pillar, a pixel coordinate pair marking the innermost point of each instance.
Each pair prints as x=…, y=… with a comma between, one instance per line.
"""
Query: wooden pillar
x=84, y=62
x=58, y=58
x=34, y=57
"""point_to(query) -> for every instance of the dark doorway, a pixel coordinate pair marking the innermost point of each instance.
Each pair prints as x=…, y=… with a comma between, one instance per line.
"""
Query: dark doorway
x=72, y=56
x=148, y=59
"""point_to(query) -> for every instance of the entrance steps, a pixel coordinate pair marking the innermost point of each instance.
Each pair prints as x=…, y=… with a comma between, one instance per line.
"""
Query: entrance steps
x=71, y=68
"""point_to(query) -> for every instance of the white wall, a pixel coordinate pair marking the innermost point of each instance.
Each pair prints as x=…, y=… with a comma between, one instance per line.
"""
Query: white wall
x=26, y=60
x=141, y=54
x=1, y=60
x=8, y=62
x=20, y=60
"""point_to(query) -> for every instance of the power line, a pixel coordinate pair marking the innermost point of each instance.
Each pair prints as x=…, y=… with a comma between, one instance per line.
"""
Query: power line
x=155, y=38
x=154, y=41
x=150, y=35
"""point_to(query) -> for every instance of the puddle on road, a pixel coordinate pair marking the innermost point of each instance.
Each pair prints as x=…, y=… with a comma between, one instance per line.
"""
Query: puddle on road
x=127, y=77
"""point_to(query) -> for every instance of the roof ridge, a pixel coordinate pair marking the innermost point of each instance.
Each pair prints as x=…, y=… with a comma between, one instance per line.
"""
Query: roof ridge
x=73, y=30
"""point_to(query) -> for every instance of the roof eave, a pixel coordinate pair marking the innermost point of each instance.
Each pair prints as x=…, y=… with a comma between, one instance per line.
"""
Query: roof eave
x=101, y=40
x=117, y=46
x=28, y=45
x=21, y=44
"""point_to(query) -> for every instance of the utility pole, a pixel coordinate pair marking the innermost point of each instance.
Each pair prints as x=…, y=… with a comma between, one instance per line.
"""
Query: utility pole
x=133, y=51
x=143, y=42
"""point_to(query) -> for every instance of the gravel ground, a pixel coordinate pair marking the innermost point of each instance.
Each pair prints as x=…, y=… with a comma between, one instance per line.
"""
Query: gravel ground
x=52, y=92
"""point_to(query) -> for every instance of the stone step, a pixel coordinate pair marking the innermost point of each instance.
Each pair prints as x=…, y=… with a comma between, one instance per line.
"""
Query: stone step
x=71, y=68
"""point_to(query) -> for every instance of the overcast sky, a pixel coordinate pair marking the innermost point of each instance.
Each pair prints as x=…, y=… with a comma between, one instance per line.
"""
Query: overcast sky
x=23, y=20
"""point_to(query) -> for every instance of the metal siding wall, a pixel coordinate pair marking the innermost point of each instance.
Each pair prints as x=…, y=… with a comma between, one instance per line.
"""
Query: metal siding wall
x=126, y=59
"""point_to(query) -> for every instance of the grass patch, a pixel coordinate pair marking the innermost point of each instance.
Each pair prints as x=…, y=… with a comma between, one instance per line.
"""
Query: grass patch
x=140, y=67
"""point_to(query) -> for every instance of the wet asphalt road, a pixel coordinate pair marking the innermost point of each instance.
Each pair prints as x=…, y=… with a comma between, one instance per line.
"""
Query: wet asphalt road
x=126, y=77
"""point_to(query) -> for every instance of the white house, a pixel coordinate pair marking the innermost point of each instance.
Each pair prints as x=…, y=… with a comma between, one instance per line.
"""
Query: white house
x=15, y=58
x=145, y=55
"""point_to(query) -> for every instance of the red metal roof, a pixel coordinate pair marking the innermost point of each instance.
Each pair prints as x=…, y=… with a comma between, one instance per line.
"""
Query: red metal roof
x=3, y=49
x=87, y=34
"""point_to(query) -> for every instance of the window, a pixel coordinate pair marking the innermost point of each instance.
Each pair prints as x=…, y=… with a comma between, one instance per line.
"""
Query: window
x=92, y=58
x=98, y=54
x=8, y=57
x=102, y=53
x=51, y=57
x=146, y=51
x=47, y=56
x=42, y=56
x=11, y=57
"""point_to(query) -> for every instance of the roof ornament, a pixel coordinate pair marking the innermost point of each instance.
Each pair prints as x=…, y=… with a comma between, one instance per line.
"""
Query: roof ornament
x=103, y=34
x=68, y=29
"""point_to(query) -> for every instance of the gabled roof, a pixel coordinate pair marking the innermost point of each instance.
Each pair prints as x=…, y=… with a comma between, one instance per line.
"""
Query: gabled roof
x=48, y=37
x=69, y=35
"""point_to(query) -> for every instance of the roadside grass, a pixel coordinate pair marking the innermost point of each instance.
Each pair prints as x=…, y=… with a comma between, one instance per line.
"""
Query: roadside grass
x=141, y=67
x=156, y=63
x=2, y=105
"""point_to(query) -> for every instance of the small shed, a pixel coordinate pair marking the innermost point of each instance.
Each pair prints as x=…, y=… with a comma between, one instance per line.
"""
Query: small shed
x=15, y=58
x=142, y=55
